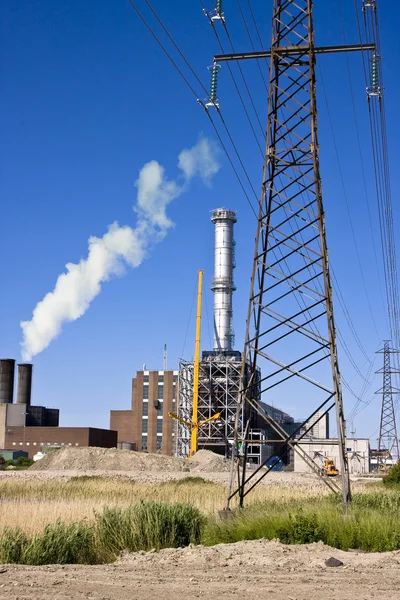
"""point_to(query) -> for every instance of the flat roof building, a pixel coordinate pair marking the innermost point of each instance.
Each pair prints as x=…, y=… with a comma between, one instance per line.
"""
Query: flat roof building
x=32, y=439
x=147, y=424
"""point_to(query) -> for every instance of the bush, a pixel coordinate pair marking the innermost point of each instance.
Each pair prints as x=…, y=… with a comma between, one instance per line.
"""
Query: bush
x=393, y=477
x=149, y=525
x=24, y=461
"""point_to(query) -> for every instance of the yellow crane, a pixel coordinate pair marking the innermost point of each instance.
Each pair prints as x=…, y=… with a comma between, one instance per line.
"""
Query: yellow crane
x=194, y=423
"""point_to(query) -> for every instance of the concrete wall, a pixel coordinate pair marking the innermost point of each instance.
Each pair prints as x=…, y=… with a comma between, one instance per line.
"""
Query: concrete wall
x=318, y=450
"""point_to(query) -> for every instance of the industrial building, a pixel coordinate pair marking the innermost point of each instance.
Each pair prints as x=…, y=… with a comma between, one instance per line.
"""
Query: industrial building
x=147, y=426
x=220, y=368
x=29, y=428
x=358, y=454
x=220, y=374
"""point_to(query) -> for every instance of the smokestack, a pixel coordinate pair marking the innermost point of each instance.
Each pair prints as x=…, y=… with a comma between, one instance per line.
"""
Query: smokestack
x=223, y=285
x=24, y=384
x=7, y=368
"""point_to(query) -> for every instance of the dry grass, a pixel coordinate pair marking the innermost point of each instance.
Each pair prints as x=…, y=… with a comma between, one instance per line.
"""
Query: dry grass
x=32, y=503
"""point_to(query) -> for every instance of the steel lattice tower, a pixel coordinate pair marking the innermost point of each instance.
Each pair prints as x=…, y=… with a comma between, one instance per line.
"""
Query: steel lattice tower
x=290, y=331
x=388, y=446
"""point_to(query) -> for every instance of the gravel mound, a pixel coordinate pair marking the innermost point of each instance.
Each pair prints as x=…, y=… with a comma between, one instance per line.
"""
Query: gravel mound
x=206, y=461
x=107, y=459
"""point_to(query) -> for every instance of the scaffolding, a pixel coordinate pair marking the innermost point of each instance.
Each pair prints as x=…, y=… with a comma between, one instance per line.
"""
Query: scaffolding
x=219, y=385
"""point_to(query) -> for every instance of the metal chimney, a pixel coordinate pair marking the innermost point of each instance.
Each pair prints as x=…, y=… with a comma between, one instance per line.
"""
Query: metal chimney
x=223, y=285
x=24, y=384
x=7, y=368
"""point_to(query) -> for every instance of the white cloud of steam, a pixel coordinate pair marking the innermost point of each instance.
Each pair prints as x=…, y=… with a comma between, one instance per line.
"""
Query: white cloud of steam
x=120, y=247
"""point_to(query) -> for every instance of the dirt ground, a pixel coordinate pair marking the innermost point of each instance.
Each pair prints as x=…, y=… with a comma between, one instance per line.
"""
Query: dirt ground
x=260, y=568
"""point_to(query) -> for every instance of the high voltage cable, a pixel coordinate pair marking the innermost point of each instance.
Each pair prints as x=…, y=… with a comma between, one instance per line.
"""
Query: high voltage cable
x=348, y=205
x=236, y=86
x=208, y=114
x=340, y=295
x=133, y=5
x=382, y=181
x=359, y=147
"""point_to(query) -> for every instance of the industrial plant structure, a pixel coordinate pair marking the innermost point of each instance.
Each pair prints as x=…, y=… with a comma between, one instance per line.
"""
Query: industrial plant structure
x=28, y=428
x=220, y=368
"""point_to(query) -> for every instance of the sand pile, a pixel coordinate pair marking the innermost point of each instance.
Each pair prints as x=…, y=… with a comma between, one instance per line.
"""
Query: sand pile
x=206, y=461
x=107, y=459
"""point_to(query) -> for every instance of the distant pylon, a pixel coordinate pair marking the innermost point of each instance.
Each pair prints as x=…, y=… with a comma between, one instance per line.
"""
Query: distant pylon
x=388, y=445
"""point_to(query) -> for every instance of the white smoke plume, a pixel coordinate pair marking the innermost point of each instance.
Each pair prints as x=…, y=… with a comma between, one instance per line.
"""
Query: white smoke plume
x=119, y=247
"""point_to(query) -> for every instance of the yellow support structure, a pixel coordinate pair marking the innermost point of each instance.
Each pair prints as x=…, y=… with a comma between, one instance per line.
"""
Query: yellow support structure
x=194, y=424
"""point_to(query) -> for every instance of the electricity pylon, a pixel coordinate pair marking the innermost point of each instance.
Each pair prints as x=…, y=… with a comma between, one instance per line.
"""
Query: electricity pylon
x=388, y=445
x=290, y=331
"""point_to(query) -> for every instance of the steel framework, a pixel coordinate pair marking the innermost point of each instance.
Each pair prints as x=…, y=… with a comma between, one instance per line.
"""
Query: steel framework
x=290, y=331
x=388, y=445
x=219, y=386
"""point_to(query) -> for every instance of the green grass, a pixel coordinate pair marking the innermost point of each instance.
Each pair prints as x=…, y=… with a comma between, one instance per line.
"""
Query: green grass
x=372, y=524
x=144, y=526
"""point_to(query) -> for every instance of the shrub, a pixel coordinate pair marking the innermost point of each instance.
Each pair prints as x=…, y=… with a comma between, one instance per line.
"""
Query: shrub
x=393, y=477
x=12, y=544
x=149, y=525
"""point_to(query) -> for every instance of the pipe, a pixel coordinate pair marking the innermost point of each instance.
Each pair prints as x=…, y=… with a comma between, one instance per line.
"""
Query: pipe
x=223, y=285
x=7, y=368
x=24, y=384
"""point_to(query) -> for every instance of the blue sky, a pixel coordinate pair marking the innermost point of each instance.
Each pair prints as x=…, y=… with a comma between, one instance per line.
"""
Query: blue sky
x=89, y=98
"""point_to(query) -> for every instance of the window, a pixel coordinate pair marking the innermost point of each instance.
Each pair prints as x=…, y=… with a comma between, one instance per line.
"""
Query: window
x=159, y=425
x=160, y=408
x=175, y=378
x=145, y=424
x=14, y=443
x=161, y=379
x=159, y=443
x=160, y=392
x=145, y=410
x=145, y=378
x=144, y=443
x=145, y=392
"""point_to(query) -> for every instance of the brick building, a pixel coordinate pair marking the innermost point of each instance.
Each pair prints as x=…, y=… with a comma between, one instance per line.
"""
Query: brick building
x=147, y=424
x=32, y=439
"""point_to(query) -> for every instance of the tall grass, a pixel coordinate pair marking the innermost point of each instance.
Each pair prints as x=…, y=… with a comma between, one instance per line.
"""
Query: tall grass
x=142, y=527
x=31, y=504
x=372, y=523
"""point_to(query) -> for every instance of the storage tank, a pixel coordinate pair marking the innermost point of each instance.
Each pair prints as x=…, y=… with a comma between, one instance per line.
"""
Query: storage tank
x=7, y=368
x=24, y=384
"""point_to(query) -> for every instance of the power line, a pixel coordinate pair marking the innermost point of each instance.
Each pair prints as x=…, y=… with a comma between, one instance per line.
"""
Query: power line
x=348, y=206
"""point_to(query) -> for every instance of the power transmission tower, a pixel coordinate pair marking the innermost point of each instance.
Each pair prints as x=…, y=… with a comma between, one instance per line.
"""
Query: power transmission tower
x=290, y=330
x=388, y=445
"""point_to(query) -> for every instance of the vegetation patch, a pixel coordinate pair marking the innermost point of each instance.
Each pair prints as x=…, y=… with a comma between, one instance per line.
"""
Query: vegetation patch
x=372, y=524
x=145, y=526
x=392, y=479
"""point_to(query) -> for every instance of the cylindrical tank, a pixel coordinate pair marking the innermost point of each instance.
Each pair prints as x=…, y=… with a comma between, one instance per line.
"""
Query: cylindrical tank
x=7, y=368
x=223, y=285
x=24, y=384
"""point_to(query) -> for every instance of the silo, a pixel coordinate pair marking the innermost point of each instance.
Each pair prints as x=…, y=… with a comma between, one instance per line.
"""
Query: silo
x=7, y=368
x=24, y=384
